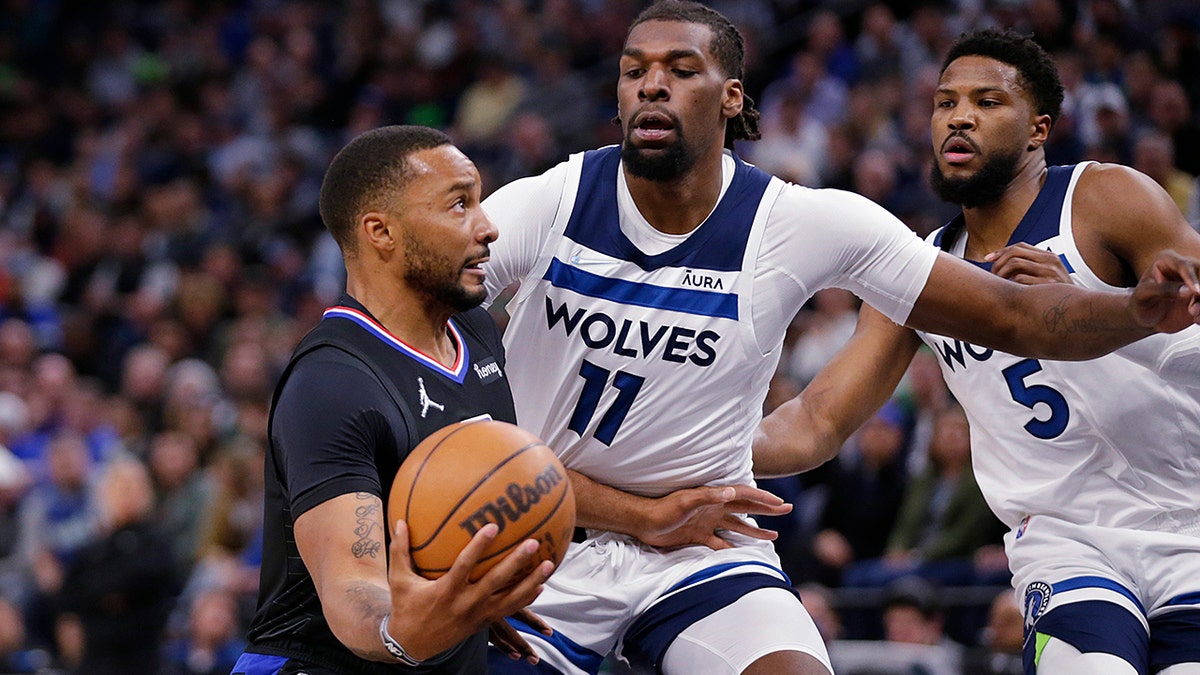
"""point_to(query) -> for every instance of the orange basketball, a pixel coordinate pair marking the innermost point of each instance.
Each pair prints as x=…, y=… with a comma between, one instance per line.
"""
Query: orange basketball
x=468, y=474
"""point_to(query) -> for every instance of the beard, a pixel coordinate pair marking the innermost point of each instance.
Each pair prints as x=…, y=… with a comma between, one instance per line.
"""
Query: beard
x=438, y=277
x=985, y=186
x=661, y=164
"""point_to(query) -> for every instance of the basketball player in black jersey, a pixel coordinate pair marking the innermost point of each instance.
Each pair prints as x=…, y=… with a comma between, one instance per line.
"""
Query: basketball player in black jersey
x=406, y=351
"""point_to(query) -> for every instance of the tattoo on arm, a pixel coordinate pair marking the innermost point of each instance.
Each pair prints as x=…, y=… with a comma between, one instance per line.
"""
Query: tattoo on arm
x=367, y=518
x=1061, y=321
x=372, y=603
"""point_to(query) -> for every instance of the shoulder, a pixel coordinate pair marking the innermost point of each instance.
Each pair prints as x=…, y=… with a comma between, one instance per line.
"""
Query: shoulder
x=529, y=188
x=323, y=369
x=479, y=323
x=1114, y=191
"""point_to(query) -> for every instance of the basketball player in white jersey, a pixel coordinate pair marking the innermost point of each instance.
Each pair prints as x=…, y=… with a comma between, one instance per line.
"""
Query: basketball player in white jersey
x=657, y=280
x=1094, y=465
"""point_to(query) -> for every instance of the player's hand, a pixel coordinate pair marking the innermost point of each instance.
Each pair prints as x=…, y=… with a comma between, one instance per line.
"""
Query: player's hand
x=699, y=516
x=431, y=616
x=1167, y=297
x=1028, y=265
x=508, y=639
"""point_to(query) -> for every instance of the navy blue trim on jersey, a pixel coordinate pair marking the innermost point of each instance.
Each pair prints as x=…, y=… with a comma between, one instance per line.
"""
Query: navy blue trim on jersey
x=580, y=656
x=647, y=640
x=719, y=244
x=1174, y=638
x=687, y=300
x=710, y=572
x=1192, y=598
x=1093, y=626
x=258, y=664
x=1098, y=582
x=1041, y=221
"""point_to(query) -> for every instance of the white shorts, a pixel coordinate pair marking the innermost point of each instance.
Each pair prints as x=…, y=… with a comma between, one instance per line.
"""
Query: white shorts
x=1087, y=572
x=613, y=594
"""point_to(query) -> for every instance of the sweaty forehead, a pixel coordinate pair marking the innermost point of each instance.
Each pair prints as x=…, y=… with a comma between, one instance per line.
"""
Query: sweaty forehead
x=659, y=37
x=975, y=72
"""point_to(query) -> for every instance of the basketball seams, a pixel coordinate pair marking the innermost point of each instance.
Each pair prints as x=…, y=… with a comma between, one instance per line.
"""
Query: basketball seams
x=425, y=461
x=474, y=488
x=557, y=505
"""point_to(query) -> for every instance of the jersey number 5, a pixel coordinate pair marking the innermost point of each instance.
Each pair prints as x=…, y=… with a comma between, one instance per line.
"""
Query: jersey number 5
x=594, y=380
x=1030, y=395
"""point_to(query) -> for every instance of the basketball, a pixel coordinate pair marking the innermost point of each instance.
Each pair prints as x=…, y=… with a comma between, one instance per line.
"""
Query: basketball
x=472, y=473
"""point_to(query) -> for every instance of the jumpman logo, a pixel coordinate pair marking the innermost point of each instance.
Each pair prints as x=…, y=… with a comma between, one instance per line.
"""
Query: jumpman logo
x=426, y=402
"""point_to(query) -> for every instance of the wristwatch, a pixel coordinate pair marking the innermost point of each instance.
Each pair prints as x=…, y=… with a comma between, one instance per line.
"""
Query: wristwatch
x=393, y=647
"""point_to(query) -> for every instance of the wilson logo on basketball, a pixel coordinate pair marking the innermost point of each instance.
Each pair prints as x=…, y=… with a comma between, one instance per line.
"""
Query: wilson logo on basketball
x=518, y=500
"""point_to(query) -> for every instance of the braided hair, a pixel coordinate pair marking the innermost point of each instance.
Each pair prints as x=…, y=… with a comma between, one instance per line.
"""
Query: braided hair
x=727, y=45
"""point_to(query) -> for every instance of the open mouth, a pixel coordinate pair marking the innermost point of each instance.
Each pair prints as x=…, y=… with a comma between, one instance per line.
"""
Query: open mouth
x=652, y=126
x=959, y=150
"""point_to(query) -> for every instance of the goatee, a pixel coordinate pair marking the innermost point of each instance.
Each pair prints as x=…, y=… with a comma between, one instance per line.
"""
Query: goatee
x=985, y=186
x=661, y=165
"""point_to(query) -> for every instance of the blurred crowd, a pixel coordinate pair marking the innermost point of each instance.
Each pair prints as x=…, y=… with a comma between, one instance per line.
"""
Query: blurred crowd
x=161, y=253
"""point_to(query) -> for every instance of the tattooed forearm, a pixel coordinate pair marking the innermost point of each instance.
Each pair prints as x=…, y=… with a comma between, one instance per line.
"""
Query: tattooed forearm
x=1059, y=321
x=366, y=525
x=370, y=603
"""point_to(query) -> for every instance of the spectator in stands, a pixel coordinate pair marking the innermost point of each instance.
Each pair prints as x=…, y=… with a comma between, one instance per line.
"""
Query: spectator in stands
x=943, y=520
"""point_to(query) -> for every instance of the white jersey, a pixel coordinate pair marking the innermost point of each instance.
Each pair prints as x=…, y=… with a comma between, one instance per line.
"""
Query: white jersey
x=642, y=358
x=1101, y=442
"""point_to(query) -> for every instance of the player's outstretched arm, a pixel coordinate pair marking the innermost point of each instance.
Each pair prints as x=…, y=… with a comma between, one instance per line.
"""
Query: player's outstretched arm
x=1055, y=321
x=808, y=430
x=688, y=517
x=341, y=542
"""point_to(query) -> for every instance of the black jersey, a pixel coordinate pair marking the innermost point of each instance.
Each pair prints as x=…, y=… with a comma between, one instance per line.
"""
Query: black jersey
x=352, y=403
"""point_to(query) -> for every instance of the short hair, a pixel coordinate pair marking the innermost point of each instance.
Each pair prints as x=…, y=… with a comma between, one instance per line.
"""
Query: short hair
x=371, y=168
x=727, y=46
x=1036, y=69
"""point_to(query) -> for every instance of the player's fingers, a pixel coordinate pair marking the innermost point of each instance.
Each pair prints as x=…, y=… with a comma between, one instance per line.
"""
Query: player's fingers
x=748, y=493
x=399, y=554
x=509, y=599
x=734, y=524
x=464, y=563
x=529, y=618
x=508, y=640
x=515, y=566
x=758, y=508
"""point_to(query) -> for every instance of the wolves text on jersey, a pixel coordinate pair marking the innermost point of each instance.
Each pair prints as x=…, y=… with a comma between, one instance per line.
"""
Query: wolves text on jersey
x=598, y=330
x=953, y=351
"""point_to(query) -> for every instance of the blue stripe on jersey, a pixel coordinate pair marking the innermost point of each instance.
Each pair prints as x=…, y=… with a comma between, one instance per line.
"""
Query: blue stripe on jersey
x=1192, y=598
x=1174, y=638
x=647, y=640
x=582, y=657
x=1094, y=626
x=719, y=244
x=1097, y=582
x=1041, y=220
x=1062, y=257
x=687, y=300
x=258, y=664
x=710, y=572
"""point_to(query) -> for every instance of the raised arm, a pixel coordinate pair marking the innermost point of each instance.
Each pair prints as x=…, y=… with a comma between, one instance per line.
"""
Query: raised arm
x=808, y=430
x=341, y=542
x=1055, y=321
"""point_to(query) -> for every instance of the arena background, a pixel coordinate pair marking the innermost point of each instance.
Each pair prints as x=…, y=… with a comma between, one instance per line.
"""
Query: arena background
x=161, y=253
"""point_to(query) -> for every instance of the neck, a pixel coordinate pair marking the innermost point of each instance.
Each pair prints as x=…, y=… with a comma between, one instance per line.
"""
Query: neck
x=679, y=206
x=406, y=315
x=990, y=226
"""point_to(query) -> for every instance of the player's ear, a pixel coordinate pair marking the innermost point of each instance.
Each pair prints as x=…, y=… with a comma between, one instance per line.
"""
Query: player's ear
x=377, y=229
x=1039, y=132
x=733, y=98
